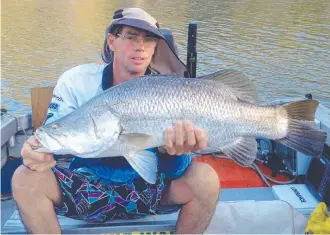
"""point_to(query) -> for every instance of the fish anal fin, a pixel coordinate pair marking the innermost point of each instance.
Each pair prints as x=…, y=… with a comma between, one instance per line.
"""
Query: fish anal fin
x=243, y=150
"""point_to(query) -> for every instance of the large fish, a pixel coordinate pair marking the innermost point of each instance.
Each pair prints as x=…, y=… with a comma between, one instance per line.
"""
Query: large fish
x=131, y=117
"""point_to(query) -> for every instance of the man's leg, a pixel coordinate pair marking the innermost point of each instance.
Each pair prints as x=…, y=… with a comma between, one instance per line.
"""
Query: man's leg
x=197, y=190
x=35, y=194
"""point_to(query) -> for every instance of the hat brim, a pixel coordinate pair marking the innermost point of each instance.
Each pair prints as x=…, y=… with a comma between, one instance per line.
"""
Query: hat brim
x=141, y=24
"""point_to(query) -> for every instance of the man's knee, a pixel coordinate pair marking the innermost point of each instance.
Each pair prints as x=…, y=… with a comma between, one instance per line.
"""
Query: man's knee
x=26, y=182
x=203, y=180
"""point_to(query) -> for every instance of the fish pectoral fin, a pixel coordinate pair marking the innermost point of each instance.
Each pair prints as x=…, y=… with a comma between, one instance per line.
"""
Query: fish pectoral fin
x=140, y=140
x=243, y=150
x=145, y=164
x=239, y=82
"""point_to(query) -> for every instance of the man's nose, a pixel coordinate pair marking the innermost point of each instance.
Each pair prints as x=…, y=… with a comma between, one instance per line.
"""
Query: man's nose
x=140, y=43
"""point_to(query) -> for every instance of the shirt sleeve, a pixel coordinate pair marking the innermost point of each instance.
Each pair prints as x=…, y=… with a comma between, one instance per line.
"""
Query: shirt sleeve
x=63, y=101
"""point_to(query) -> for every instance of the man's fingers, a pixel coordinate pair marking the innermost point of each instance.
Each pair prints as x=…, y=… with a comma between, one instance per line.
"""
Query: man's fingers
x=187, y=139
x=41, y=167
x=190, y=135
x=48, y=157
x=28, y=152
x=169, y=141
x=29, y=161
x=38, y=156
x=34, y=141
x=46, y=166
x=171, y=151
x=168, y=138
x=179, y=137
x=34, y=166
x=201, y=138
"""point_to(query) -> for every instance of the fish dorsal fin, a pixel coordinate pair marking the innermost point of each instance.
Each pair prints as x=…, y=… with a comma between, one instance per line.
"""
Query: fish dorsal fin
x=241, y=84
x=243, y=150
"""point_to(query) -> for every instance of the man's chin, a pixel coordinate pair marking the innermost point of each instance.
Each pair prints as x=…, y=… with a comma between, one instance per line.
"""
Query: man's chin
x=138, y=70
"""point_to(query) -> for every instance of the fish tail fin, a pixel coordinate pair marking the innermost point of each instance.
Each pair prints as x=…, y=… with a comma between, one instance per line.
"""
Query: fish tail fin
x=300, y=134
x=301, y=110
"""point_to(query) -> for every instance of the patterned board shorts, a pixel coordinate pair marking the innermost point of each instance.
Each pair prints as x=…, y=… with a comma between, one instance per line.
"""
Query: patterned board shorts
x=85, y=197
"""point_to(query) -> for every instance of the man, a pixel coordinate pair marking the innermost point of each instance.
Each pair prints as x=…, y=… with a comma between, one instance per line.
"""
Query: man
x=133, y=47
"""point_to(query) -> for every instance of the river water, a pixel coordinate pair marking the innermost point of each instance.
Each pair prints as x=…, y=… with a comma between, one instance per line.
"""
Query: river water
x=283, y=46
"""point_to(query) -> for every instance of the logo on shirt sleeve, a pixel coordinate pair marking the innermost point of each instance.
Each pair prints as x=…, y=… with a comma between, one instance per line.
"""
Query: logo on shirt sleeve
x=58, y=98
x=53, y=106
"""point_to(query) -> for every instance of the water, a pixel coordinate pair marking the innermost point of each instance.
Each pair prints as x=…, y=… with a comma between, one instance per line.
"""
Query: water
x=283, y=46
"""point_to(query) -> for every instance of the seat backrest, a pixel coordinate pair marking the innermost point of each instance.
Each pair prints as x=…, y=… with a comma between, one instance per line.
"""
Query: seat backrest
x=40, y=100
x=170, y=39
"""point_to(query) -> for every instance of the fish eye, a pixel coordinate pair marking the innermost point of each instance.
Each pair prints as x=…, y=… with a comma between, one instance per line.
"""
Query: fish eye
x=55, y=126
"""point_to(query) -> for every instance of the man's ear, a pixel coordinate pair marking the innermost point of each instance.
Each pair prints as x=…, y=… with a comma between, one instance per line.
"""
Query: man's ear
x=111, y=41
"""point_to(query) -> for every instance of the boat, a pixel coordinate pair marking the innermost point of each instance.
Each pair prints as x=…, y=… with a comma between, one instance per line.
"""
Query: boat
x=281, y=180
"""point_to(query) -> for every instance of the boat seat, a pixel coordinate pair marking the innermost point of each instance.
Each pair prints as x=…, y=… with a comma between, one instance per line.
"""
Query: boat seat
x=157, y=224
x=170, y=39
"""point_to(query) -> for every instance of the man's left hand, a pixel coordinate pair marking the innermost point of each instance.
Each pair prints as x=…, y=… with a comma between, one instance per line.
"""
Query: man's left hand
x=186, y=138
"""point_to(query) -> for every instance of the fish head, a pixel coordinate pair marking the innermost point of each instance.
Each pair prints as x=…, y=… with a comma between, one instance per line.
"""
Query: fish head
x=48, y=141
x=78, y=134
x=56, y=138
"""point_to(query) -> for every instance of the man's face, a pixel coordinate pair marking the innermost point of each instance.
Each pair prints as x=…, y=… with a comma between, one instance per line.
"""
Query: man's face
x=133, y=49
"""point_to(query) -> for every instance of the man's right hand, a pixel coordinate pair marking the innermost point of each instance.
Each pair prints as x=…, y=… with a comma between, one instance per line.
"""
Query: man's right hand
x=34, y=160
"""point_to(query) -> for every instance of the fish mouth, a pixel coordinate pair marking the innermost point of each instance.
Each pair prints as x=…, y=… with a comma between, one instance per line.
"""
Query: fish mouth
x=47, y=141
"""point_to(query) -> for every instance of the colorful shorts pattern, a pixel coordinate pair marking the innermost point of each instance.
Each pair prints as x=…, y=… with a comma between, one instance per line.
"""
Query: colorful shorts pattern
x=85, y=197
